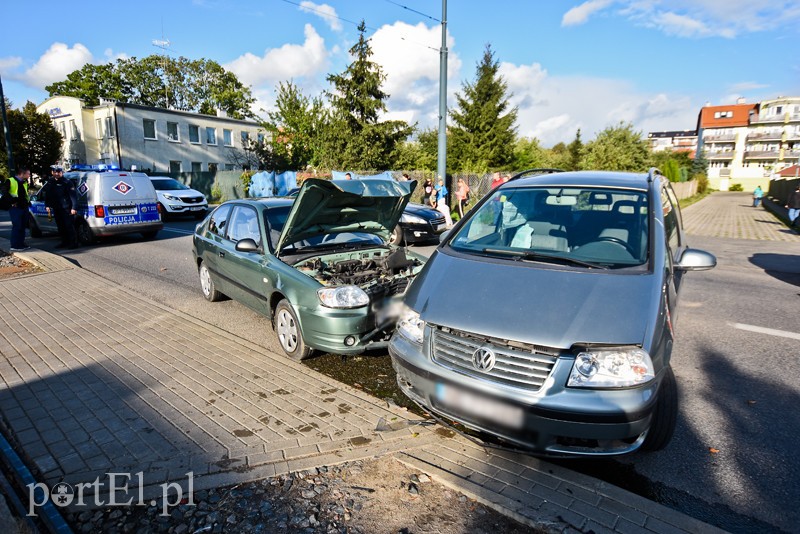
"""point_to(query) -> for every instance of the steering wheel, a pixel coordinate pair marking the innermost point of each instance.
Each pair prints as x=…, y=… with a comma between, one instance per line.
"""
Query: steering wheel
x=617, y=241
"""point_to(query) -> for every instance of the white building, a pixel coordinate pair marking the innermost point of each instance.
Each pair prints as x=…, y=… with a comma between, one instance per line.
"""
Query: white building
x=151, y=139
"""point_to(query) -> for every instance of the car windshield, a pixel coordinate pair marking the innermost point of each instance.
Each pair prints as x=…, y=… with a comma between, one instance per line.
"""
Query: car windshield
x=581, y=226
x=168, y=184
x=275, y=219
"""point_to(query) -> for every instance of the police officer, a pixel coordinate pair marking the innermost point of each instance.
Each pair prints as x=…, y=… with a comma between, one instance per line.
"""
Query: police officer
x=61, y=200
x=14, y=193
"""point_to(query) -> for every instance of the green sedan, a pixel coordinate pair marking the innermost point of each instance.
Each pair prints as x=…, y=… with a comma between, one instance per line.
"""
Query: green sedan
x=318, y=265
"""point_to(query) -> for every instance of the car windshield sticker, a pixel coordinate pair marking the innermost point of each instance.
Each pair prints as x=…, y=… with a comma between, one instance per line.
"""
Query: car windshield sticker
x=123, y=188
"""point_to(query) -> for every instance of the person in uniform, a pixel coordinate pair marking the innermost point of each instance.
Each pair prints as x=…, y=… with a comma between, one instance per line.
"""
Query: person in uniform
x=61, y=201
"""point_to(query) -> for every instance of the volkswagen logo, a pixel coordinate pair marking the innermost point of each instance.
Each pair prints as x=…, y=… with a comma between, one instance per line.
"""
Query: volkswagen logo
x=483, y=359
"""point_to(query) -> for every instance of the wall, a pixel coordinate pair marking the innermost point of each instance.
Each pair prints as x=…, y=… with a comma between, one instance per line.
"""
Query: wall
x=781, y=189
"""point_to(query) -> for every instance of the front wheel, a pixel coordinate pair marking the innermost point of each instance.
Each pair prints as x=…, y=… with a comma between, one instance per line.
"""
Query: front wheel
x=207, y=285
x=665, y=416
x=289, y=334
x=34, y=226
x=85, y=235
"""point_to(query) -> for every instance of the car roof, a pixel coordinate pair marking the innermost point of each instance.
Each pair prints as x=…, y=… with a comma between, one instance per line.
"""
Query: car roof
x=626, y=180
x=268, y=202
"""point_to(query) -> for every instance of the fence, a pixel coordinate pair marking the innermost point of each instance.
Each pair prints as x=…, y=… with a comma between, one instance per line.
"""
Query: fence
x=781, y=189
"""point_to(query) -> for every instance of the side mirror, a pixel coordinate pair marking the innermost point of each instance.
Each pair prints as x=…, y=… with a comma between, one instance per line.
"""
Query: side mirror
x=247, y=245
x=696, y=260
x=443, y=236
x=34, y=198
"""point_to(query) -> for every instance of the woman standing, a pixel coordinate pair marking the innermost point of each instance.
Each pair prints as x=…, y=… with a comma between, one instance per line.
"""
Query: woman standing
x=462, y=195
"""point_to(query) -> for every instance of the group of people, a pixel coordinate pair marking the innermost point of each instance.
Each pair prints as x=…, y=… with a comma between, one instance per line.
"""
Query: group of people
x=60, y=198
x=436, y=196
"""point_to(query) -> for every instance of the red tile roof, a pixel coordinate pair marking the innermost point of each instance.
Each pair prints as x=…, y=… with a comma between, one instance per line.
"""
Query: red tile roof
x=741, y=116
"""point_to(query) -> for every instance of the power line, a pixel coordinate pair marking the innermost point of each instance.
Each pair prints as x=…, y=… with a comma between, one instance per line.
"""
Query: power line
x=415, y=11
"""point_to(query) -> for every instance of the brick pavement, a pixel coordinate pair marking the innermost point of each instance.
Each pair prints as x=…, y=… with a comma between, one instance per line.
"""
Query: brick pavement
x=96, y=379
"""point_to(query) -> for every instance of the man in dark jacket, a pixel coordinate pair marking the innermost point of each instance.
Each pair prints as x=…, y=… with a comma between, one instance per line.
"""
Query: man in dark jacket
x=15, y=192
x=61, y=200
x=793, y=204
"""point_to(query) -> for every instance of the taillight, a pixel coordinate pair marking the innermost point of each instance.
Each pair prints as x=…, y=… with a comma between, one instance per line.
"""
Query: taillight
x=99, y=212
x=158, y=207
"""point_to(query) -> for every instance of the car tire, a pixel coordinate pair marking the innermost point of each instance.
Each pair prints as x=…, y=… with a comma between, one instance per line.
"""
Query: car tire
x=163, y=211
x=288, y=330
x=207, y=284
x=85, y=234
x=34, y=227
x=396, y=238
x=665, y=416
x=199, y=215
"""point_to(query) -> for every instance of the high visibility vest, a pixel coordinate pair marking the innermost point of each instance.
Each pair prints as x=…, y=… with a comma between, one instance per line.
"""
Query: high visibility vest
x=13, y=187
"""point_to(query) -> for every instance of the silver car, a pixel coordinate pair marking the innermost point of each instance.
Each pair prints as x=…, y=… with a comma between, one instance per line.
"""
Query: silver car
x=545, y=317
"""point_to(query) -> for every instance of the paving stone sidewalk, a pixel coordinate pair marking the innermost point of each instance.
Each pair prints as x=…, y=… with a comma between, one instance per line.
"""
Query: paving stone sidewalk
x=96, y=379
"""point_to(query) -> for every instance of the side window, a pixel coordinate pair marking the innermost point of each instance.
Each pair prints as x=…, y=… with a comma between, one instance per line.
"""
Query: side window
x=244, y=224
x=671, y=222
x=218, y=223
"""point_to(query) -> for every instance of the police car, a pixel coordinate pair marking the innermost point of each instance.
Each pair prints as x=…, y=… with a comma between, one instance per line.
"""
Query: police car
x=110, y=202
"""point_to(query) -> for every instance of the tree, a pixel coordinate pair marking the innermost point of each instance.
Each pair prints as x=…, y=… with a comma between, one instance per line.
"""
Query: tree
x=355, y=137
x=574, y=149
x=202, y=85
x=35, y=142
x=617, y=148
x=528, y=154
x=699, y=164
x=485, y=128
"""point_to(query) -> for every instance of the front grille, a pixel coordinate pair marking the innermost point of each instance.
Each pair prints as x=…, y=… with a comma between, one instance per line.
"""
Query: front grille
x=519, y=365
x=192, y=200
x=436, y=222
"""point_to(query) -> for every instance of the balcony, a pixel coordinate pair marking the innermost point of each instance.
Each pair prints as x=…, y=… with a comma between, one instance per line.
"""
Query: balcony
x=761, y=154
x=791, y=154
x=719, y=154
x=727, y=138
x=775, y=135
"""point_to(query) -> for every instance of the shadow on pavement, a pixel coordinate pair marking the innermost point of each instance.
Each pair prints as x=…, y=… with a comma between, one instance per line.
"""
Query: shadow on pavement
x=784, y=267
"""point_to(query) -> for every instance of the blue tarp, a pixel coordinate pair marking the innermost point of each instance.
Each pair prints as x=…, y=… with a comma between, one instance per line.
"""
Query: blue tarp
x=268, y=184
x=339, y=175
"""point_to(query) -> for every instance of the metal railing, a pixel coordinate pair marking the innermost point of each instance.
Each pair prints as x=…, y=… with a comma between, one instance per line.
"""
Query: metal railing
x=761, y=154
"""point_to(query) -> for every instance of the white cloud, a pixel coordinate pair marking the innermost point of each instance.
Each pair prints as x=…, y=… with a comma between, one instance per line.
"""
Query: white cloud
x=553, y=108
x=409, y=57
x=54, y=65
x=325, y=12
x=8, y=64
x=112, y=56
x=580, y=14
x=282, y=64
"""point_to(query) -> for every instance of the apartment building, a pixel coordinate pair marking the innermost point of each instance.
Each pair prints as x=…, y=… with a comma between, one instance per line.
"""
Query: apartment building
x=677, y=140
x=151, y=139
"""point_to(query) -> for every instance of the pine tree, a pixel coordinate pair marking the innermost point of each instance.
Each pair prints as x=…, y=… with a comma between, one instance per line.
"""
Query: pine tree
x=484, y=133
x=356, y=139
x=574, y=149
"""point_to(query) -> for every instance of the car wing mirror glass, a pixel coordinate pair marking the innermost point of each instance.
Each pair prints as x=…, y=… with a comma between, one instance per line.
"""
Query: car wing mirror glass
x=443, y=236
x=696, y=260
x=247, y=245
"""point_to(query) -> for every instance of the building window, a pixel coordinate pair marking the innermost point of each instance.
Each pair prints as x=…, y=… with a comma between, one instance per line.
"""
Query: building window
x=174, y=166
x=73, y=128
x=149, y=126
x=99, y=128
x=194, y=134
x=212, y=167
x=227, y=137
x=211, y=136
x=260, y=138
x=62, y=127
x=109, y=127
x=197, y=166
x=229, y=167
x=245, y=139
x=172, y=131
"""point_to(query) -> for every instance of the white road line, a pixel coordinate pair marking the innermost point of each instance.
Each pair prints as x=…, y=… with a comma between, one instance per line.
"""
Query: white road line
x=768, y=331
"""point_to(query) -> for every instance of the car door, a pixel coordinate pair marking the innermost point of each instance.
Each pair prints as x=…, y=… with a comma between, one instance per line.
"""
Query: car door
x=213, y=248
x=244, y=269
x=673, y=240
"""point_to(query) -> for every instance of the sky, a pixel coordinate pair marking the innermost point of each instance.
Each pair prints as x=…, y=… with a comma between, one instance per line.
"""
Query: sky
x=568, y=65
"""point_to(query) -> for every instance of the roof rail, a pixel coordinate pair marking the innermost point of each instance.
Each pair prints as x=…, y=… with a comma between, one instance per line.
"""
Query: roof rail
x=534, y=172
x=651, y=174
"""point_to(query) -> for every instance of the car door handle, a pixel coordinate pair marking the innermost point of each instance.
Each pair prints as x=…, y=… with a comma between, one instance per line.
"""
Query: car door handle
x=221, y=254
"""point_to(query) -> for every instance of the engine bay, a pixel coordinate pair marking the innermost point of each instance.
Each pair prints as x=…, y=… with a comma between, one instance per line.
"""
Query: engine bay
x=379, y=272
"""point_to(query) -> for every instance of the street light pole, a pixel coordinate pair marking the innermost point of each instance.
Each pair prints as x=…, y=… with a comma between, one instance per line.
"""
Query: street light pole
x=6, y=129
x=441, y=168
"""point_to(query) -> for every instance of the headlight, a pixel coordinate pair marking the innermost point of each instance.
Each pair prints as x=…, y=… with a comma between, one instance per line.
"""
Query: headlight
x=614, y=368
x=172, y=198
x=343, y=297
x=410, y=325
x=412, y=219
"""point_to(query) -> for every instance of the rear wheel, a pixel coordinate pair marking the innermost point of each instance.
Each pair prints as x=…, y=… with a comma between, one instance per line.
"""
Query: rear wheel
x=289, y=334
x=665, y=416
x=85, y=235
x=207, y=285
x=34, y=226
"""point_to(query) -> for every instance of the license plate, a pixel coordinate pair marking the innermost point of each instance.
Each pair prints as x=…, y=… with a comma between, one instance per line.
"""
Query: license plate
x=123, y=211
x=199, y=208
x=441, y=226
x=486, y=408
x=389, y=311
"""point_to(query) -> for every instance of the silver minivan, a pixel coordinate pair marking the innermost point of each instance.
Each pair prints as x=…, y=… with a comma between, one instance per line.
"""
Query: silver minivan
x=546, y=316
x=109, y=203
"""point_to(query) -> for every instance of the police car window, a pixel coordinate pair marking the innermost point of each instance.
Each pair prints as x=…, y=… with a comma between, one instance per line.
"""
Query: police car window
x=244, y=225
x=219, y=221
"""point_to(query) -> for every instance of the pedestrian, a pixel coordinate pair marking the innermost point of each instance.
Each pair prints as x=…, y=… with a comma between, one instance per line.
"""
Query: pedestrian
x=462, y=195
x=497, y=179
x=794, y=206
x=14, y=192
x=427, y=189
x=404, y=177
x=347, y=176
x=757, y=194
x=441, y=202
x=61, y=200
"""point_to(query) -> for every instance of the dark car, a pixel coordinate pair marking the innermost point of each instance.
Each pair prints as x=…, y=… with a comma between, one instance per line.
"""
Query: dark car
x=562, y=342
x=318, y=265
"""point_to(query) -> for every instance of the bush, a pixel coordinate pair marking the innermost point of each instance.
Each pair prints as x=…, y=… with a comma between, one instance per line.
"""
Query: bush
x=216, y=193
x=702, y=182
x=736, y=187
x=246, y=179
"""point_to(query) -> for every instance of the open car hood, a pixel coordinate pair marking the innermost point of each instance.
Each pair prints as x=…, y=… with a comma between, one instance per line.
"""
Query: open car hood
x=370, y=205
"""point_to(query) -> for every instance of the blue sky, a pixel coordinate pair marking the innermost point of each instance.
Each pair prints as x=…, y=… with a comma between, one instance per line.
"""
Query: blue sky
x=569, y=64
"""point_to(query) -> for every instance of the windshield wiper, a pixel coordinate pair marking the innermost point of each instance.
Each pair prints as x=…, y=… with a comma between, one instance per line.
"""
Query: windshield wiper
x=539, y=256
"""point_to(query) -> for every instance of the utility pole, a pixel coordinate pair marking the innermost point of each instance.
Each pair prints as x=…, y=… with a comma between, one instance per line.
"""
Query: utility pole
x=163, y=44
x=6, y=130
x=441, y=167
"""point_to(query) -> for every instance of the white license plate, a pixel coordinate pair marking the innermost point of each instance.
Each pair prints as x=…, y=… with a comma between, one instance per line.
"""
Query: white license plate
x=123, y=211
x=198, y=208
x=441, y=226
x=389, y=310
x=486, y=408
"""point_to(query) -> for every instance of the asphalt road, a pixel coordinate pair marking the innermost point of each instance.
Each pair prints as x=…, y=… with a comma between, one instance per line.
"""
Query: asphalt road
x=732, y=461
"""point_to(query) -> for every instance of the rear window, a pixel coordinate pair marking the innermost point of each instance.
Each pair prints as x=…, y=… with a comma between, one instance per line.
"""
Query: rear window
x=168, y=184
x=598, y=226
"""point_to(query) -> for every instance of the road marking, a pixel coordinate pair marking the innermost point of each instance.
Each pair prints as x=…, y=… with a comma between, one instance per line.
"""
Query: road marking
x=178, y=231
x=768, y=331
